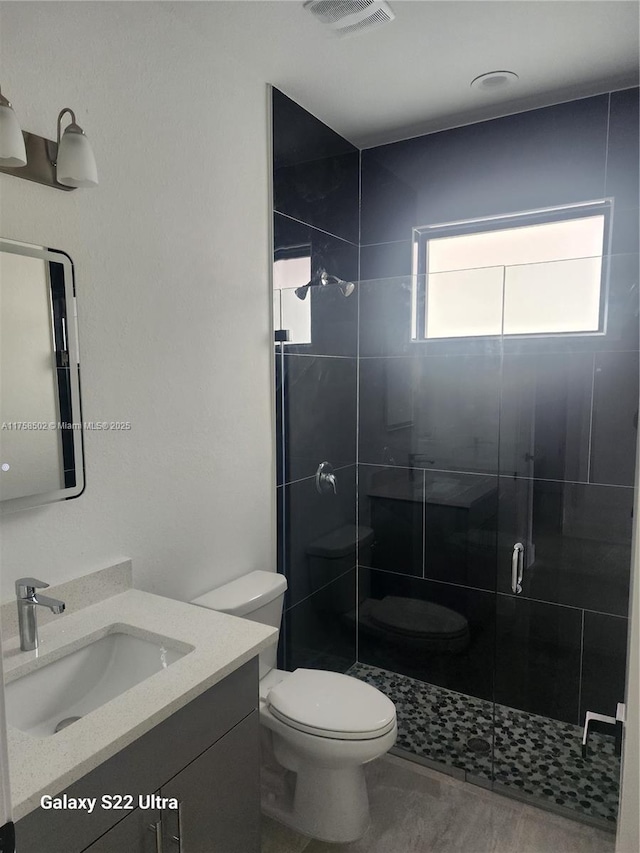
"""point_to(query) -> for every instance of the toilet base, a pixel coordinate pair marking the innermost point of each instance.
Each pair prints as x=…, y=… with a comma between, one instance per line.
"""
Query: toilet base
x=327, y=804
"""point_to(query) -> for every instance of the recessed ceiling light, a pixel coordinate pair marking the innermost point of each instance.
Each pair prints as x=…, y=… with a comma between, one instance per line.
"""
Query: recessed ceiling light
x=493, y=81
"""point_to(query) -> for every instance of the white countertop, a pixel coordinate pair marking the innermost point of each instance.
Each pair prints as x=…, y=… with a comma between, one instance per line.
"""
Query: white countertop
x=221, y=644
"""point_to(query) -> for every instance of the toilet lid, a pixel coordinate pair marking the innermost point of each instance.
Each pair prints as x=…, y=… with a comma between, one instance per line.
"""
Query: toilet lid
x=328, y=704
x=416, y=618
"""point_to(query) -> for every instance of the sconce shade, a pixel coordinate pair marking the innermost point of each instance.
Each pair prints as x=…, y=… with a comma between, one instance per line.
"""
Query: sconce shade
x=12, y=150
x=76, y=165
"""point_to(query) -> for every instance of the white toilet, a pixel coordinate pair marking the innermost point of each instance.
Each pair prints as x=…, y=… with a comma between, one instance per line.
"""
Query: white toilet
x=323, y=726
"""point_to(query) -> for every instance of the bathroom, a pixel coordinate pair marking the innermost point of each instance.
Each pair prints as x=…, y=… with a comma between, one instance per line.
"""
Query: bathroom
x=259, y=174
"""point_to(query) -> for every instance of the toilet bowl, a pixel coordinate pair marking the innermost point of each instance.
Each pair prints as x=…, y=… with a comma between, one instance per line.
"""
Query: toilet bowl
x=321, y=727
x=325, y=727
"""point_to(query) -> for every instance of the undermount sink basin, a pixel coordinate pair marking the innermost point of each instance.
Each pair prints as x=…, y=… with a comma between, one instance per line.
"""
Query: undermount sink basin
x=83, y=680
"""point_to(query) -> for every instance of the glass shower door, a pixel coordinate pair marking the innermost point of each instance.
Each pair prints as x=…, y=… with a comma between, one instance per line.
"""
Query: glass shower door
x=474, y=454
x=568, y=420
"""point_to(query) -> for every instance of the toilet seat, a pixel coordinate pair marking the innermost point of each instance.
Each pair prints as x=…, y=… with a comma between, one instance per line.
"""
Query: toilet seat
x=330, y=705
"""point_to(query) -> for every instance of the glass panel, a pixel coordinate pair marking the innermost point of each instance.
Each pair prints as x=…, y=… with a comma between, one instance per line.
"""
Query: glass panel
x=557, y=658
x=464, y=303
x=565, y=526
x=318, y=540
x=451, y=451
x=428, y=498
x=526, y=244
x=553, y=297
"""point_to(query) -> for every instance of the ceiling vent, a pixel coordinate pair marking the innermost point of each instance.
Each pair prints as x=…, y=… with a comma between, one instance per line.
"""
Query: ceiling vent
x=348, y=17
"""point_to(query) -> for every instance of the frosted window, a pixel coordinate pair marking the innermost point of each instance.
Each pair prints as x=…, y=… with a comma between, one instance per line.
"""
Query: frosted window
x=465, y=303
x=531, y=279
x=561, y=296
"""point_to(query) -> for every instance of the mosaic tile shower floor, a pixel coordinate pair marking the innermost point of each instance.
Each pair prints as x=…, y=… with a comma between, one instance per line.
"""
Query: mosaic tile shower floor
x=535, y=755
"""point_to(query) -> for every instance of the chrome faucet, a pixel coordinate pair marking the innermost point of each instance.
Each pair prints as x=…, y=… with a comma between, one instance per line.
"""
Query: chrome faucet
x=27, y=603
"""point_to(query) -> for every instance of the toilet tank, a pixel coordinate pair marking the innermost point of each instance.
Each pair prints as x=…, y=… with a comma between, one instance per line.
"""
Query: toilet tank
x=258, y=596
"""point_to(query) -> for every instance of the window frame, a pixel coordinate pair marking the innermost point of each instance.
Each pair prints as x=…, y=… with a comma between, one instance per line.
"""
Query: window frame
x=420, y=248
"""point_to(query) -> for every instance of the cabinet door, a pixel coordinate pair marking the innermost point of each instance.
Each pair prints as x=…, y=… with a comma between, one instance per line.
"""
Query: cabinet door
x=135, y=834
x=219, y=797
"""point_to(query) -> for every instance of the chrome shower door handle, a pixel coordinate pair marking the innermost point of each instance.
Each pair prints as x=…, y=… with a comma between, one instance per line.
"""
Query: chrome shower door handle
x=517, y=568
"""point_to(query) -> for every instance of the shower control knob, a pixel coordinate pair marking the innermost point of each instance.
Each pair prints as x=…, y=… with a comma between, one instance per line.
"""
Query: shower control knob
x=326, y=479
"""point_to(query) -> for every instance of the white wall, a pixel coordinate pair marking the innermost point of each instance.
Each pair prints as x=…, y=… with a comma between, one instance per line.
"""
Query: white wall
x=171, y=256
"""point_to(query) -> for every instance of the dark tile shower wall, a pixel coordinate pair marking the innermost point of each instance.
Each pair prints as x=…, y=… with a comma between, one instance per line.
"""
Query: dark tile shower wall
x=315, y=171
x=316, y=205
x=544, y=157
x=468, y=447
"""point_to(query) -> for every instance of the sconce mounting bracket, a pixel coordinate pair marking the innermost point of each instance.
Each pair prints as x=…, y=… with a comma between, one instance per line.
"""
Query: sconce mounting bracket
x=41, y=157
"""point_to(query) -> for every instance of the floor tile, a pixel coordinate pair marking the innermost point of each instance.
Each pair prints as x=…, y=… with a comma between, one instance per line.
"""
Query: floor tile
x=417, y=810
x=277, y=838
x=544, y=833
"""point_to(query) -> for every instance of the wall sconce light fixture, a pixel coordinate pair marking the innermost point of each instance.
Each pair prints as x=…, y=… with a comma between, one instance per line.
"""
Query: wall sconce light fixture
x=64, y=164
x=76, y=165
x=12, y=150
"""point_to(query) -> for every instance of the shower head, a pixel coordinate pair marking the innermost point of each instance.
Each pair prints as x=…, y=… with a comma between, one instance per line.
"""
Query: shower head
x=323, y=279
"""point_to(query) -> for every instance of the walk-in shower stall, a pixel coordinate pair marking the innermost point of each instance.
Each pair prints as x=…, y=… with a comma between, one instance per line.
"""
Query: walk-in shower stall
x=456, y=360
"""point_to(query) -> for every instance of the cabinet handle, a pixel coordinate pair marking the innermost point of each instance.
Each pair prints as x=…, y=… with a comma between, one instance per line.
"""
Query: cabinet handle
x=177, y=839
x=157, y=829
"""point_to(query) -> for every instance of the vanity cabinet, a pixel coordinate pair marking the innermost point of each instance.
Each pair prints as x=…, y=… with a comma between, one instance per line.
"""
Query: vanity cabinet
x=206, y=756
x=219, y=793
x=135, y=834
x=216, y=795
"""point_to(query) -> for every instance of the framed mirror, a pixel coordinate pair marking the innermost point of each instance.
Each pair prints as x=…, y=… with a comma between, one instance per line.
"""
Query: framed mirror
x=41, y=443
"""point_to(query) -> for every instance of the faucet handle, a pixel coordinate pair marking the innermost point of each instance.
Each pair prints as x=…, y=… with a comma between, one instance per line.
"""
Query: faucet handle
x=26, y=587
x=331, y=480
x=326, y=479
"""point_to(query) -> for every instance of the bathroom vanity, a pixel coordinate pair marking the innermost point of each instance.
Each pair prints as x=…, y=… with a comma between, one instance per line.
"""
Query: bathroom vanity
x=172, y=761
x=205, y=756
